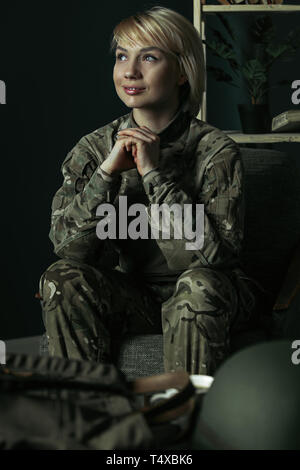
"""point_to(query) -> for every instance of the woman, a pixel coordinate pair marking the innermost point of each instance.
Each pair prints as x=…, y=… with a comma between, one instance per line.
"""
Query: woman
x=159, y=153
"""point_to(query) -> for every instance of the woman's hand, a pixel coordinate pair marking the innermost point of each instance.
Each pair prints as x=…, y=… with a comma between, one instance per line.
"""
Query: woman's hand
x=143, y=145
x=120, y=159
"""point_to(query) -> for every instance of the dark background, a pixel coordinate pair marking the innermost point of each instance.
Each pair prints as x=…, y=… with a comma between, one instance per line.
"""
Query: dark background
x=57, y=67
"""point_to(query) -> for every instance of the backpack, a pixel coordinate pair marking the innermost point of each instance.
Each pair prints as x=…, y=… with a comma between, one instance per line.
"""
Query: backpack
x=53, y=403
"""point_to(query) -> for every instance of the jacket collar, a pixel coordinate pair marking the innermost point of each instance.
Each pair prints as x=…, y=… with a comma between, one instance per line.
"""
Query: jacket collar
x=174, y=129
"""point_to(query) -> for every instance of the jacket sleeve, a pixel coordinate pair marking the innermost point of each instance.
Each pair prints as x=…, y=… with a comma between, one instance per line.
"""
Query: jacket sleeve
x=73, y=217
x=220, y=190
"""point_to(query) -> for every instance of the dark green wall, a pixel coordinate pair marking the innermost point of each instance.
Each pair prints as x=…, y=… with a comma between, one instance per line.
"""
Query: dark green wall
x=56, y=64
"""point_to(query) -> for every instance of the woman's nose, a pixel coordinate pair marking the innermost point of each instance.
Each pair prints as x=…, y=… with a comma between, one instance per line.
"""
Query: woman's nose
x=132, y=70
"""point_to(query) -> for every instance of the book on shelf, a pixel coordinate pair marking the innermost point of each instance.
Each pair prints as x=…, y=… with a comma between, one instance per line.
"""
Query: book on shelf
x=247, y=2
x=287, y=121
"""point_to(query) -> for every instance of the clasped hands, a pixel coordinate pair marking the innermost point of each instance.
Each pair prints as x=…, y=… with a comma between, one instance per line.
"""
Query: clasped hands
x=135, y=148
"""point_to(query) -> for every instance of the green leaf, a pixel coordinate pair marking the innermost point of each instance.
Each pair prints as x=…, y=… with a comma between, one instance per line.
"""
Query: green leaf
x=262, y=30
x=276, y=51
x=226, y=25
x=255, y=70
x=220, y=50
x=220, y=75
x=219, y=36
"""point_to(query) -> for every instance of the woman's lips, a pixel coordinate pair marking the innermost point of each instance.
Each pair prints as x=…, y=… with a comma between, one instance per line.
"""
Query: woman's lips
x=134, y=91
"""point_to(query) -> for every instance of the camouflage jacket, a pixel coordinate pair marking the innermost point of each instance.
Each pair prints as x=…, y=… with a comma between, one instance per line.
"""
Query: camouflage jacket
x=198, y=164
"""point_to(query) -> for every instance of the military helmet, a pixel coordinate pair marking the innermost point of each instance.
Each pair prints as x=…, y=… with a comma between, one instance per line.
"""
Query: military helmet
x=254, y=402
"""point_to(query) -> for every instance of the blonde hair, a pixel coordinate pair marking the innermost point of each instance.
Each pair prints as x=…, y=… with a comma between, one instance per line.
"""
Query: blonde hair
x=174, y=34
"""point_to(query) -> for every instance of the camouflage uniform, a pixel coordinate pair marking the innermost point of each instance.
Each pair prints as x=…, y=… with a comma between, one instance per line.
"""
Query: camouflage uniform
x=101, y=289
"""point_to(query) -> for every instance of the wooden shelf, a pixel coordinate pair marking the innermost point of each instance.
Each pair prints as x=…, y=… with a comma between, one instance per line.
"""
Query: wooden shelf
x=250, y=8
x=271, y=138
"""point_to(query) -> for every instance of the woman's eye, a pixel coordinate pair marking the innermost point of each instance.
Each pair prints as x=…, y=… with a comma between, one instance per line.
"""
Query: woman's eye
x=119, y=56
x=152, y=57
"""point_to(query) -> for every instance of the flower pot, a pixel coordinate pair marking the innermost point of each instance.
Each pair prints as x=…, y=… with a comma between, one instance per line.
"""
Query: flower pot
x=255, y=118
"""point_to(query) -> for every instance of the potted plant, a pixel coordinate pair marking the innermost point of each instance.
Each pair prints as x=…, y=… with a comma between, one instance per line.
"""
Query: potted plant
x=254, y=68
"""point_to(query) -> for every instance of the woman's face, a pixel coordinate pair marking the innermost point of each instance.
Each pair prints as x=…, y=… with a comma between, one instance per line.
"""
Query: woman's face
x=154, y=72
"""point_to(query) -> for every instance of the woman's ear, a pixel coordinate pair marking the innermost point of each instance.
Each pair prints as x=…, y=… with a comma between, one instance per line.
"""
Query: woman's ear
x=182, y=79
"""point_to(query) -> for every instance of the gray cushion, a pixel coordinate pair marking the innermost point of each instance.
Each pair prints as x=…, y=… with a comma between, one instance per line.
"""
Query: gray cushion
x=141, y=355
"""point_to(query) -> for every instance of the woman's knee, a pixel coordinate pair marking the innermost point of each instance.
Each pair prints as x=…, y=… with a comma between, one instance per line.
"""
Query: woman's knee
x=67, y=277
x=200, y=279
x=203, y=285
x=203, y=296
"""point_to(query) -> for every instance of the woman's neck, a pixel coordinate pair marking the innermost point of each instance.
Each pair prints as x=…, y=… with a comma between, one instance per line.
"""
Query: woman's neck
x=155, y=121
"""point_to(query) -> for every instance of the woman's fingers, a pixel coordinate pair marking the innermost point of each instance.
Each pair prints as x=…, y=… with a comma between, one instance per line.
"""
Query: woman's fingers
x=129, y=143
x=139, y=133
x=142, y=147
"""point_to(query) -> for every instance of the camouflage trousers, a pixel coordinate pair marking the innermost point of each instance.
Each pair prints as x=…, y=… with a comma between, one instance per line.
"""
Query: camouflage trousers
x=86, y=311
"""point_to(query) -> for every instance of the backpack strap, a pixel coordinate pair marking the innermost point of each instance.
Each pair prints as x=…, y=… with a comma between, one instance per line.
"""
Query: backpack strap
x=171, y=408
x=171, y=418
